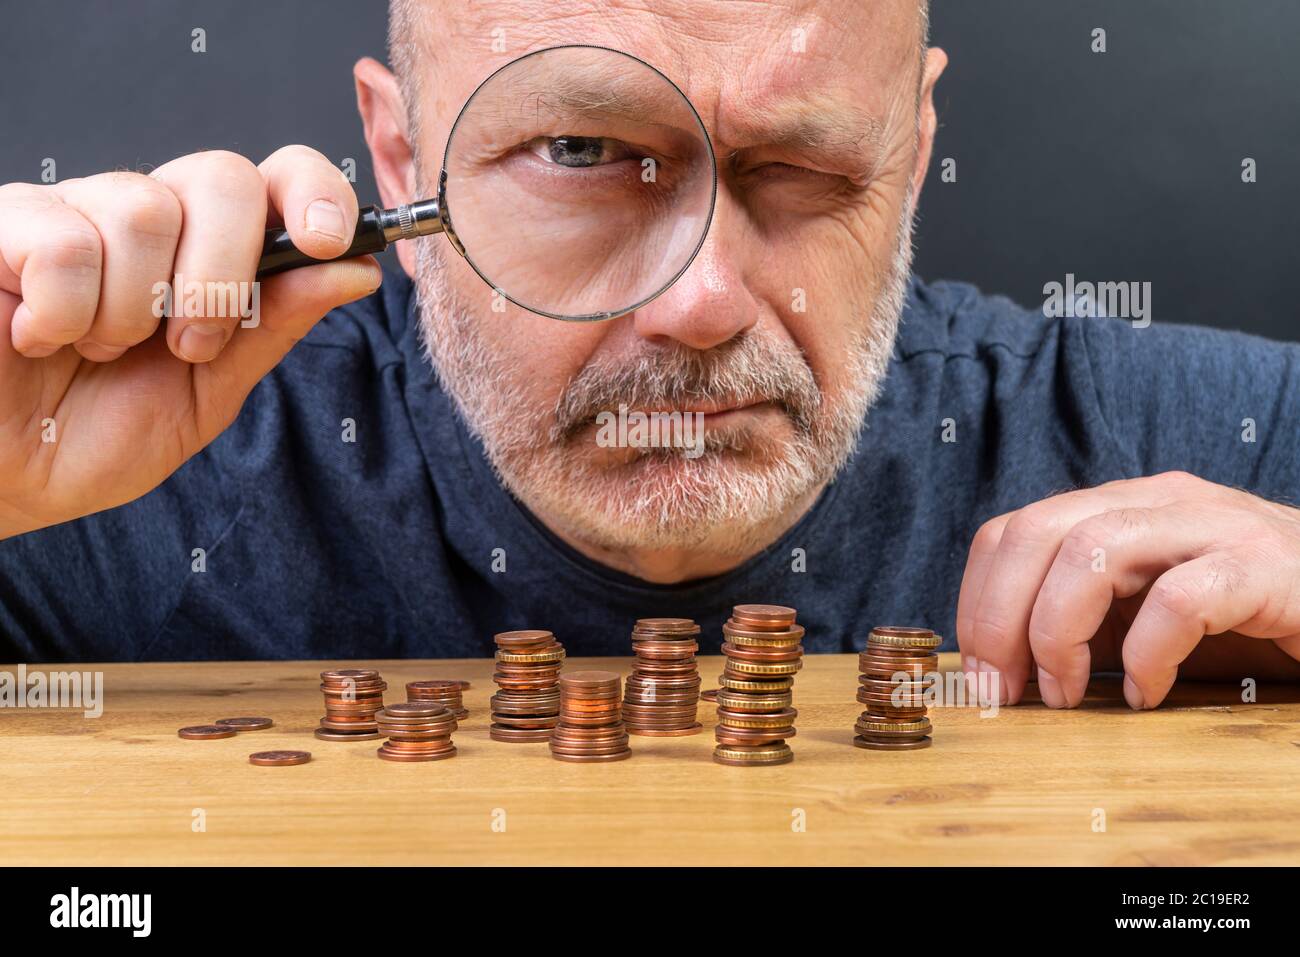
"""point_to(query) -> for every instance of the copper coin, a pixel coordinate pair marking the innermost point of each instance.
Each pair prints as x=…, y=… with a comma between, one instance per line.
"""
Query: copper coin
x=592, y=758
x=670, y=625
x=499, y=732
x=725, y=735
x=861, y=742
x=764, y=612
x=412, y=758
x=773, y=719
x=205, y=732
x=513, y=721
x=434, y=684
x=244, y=724
x=349, y=674
x=710, y=695
x=666, y=732
x=325, y=734
x=531, y=636
x=414, y=709
x=779, y=653
x=589, y=680
x=279, y=759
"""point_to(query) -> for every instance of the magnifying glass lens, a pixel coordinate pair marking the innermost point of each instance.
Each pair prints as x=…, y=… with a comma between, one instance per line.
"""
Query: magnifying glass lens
x=579, y=181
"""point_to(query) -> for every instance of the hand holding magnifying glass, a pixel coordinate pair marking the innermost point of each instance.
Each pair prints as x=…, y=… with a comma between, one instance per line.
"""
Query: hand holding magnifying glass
x=578, y=182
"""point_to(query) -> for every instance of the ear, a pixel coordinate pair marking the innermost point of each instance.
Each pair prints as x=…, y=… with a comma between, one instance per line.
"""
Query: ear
x=383, y=114
x=935, y=62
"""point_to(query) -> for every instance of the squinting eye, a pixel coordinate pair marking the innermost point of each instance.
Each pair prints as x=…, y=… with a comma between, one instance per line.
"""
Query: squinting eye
x=579, y=151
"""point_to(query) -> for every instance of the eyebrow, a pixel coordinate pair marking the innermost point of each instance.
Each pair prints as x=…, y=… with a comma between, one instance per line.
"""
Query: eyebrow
x=846, y=133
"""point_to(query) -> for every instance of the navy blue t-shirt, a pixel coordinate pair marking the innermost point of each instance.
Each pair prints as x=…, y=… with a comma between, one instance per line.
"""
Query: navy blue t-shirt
x=384, y=547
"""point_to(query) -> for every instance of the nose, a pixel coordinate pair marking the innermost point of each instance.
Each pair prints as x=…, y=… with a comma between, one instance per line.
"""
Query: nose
x=710, y=303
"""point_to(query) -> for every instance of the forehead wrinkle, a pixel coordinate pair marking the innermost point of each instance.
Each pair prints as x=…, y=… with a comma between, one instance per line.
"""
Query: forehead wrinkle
x=815, y=122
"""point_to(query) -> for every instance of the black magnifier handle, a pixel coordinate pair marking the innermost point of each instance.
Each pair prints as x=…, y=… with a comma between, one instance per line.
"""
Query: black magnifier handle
x=376, y=228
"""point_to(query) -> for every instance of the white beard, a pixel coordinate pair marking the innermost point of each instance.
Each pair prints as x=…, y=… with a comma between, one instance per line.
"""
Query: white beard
x=725, y=500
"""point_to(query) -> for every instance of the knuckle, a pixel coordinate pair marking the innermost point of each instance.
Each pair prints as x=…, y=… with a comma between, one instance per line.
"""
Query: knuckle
x=1182, y=481
x=300, y=155
x=229, y=173
x=149, y=209
x=1176, y=598
x=1030, y=526
x=26, y=196
x=988, y=536
x=76, y=250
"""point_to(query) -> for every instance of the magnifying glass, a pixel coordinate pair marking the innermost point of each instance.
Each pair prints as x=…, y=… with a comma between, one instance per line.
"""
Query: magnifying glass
x=578, y=182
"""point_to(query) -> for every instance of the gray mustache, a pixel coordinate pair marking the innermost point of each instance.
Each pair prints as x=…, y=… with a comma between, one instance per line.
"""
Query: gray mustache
x=744, y=370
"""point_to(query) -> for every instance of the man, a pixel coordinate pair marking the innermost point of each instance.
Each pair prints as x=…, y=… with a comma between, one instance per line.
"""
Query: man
x=358, y=505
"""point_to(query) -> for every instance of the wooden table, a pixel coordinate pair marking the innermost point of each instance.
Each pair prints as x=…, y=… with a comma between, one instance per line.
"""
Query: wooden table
x=1203, y=780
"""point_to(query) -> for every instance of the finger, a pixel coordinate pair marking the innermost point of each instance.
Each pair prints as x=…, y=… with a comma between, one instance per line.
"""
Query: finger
x=223, y=202
x=139, y=221
x=291, y=303
x=1104, y=557
x=1029, y=543
x=51, y=256
x=983, y=547
x=1207, y=596
x=314, y=198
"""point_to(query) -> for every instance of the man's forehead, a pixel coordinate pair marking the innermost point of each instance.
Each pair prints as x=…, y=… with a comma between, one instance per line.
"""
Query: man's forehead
x=744, y=64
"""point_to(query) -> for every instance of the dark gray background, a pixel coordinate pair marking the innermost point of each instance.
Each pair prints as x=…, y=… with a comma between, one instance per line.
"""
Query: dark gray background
x=1117, y=166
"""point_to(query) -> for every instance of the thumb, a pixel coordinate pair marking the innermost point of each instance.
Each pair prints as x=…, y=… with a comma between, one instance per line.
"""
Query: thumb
x=290, y=304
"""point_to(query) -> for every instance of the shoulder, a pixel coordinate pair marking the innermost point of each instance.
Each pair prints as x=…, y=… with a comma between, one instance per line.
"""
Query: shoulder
x=955, y=319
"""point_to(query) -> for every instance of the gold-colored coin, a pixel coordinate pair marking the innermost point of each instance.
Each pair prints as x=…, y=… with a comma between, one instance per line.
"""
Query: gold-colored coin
x=751, y=704
x=919, y=638
x=748, y=641
x=762, y=668
x=735, y=684
x=921, y=724
x=533, y=658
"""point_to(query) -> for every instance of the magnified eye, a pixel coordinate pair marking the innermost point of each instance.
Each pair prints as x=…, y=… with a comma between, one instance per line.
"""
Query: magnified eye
x=579, y=151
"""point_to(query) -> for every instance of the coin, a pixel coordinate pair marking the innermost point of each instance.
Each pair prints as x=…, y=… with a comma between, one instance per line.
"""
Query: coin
x=244, y=724
x=279, y=759
x=861, y=742
x=590, y=726
x=741, y=756
x=499, y=732
x=527, y=672
x=205, y=732
x=326, y=734
x=897, y=668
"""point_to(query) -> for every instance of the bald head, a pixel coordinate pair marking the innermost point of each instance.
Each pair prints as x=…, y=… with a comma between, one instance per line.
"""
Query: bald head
x=417, y=32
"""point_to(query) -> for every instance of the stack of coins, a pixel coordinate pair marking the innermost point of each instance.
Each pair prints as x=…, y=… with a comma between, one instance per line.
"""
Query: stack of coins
x=352, y=696
x=590, y=729
x=663, y=691
x=416, y=731
x=446, y=693
x=898, y=666
x=754, y=703
x=528, y=704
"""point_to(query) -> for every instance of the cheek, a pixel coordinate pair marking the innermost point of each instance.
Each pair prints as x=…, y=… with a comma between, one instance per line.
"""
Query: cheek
x=821, y=277
x=538, y=355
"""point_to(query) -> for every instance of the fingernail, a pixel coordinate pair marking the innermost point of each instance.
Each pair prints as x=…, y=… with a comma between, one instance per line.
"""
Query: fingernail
x=39, y=351
x=201, y=342
x=1050, y=689
x=325, y=218
x=1133, y=695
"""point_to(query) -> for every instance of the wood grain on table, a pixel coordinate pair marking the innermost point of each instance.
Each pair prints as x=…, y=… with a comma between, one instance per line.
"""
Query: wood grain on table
x=1205, y=779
